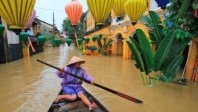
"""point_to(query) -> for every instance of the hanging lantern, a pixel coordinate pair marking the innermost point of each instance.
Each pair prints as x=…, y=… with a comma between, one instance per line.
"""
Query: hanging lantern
x=2, y=28
x=16, y=12
x=31, y=19
x=118, y=7
x=94, y=38
x=74, y=11
x=100, y=35
x=57, y=41
x=87, y=40
x=80, y=41
x=68, y=41
x=134, y=9
x=100, y=10
x=41, y=39
x=162, y=3
x=24, y=36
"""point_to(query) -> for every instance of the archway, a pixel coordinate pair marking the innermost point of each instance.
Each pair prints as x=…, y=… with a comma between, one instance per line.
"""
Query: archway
x=119, y=44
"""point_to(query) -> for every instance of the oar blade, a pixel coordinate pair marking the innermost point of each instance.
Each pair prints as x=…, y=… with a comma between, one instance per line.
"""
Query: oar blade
x=130, y=98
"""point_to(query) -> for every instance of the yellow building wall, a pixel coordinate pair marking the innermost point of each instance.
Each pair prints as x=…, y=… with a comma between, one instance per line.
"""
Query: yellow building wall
x=90, y=22
x=125, y=32
x=191, y=59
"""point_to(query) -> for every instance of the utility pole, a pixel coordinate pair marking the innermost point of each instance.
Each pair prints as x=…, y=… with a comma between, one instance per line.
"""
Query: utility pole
x=53, y=21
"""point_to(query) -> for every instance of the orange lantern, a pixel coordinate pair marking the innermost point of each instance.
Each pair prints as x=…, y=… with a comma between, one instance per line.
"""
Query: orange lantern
x=134, y=9
x=16, y=12
x=118, y=7
x=100, y=10
x=74, y=11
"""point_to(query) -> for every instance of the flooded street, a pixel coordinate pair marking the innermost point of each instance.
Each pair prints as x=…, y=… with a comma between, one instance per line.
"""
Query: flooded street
x=29, y=86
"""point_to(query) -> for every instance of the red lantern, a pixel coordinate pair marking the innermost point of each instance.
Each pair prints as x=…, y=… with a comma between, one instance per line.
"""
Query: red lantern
x=74, y=11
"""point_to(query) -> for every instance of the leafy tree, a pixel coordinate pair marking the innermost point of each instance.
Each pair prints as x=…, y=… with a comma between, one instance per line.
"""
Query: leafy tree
x=70, y=29
x=183, y=19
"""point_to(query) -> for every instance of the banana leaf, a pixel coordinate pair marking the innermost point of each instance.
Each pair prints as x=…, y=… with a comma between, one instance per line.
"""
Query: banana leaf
x=170, y=73
x=176, y=50
x=136, y=53
x=147, y=22
x=99, y=42
x=158, y=28
x=147, y=53
x=104, y=40
x=109, y=42
x=163, y=50
x=184, y=7
x=152, y=38
x=174, y=65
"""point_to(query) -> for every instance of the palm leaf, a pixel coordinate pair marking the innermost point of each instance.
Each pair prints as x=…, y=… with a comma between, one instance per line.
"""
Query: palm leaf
x=136, y=53
x=147, y=22
x=147, y=53
x=158, y=28
x=176, y=50
x=163, y=50
x=109, y=42
x=99, y=42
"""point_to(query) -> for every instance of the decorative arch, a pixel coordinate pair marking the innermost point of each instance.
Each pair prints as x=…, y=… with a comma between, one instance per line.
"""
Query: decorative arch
x=118, y=44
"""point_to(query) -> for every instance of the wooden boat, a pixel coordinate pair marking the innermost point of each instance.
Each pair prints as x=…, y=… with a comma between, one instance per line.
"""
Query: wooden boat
x=76, y=106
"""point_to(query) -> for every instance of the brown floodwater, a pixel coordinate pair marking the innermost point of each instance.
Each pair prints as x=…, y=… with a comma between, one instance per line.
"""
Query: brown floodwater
x=29, y=86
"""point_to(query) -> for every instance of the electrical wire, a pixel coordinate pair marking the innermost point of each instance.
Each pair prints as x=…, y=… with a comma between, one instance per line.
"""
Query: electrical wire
x=54, y=10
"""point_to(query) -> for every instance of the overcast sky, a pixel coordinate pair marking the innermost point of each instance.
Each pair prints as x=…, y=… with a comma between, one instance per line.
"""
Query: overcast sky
x=45, y=8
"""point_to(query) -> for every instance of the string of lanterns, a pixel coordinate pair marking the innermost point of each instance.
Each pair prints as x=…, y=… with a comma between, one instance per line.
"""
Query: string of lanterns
x=17, y=12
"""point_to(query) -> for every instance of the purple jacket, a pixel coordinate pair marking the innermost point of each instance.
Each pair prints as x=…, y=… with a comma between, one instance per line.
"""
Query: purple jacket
x=69, y=80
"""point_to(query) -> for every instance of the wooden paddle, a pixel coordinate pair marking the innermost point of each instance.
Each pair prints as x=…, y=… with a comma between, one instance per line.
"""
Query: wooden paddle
x=97, y=85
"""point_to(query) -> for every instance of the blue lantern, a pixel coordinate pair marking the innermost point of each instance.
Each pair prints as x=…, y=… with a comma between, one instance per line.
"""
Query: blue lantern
x=162, y=3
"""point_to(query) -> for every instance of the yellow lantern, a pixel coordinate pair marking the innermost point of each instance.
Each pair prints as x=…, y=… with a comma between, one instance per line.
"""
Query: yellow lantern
x=118, y=7
x=100, y=9
x=16, y=12
x=134, y=9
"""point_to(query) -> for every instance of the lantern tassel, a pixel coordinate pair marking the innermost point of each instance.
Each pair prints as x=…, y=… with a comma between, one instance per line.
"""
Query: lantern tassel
x=76, y=39
x=30, y=43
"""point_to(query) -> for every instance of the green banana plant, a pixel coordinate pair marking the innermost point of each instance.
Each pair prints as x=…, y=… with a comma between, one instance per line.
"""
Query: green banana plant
x=143, y=54
x=103, y=43
x=166, y=59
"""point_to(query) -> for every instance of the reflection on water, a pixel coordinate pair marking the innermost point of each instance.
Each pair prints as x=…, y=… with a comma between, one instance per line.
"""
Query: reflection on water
x=29, y=86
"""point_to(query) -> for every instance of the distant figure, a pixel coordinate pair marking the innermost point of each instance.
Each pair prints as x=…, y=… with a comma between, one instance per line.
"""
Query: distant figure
x=72, y=86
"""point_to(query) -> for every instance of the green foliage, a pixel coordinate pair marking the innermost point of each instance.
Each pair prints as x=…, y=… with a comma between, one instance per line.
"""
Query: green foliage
x=136, y=51
x=163, y=50
x=92, y=48
x=70, y=29
x=154, y=24
x=147, y=53
x=184, y=21
x=169, y=48
x=142, y=52
x=103, y=43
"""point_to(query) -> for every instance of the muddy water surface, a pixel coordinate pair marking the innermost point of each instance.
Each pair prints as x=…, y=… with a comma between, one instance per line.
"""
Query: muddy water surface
x=29, y=86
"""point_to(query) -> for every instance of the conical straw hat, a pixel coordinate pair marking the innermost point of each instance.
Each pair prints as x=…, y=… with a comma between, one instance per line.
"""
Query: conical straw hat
x=74, y=60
